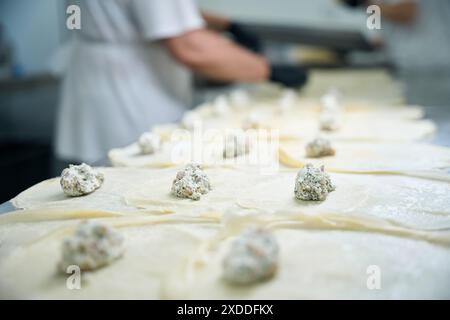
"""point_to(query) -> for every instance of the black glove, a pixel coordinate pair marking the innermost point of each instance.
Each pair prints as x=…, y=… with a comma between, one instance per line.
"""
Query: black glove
x=354, y=3
x=290, y=76
x=245, y=38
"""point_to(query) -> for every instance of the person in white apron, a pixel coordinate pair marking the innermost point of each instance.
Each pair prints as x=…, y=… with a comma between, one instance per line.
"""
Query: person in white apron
x=129, y=69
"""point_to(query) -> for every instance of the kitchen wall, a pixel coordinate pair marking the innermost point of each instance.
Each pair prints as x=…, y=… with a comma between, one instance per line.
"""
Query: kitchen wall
x=35, y=29
x=314, y=13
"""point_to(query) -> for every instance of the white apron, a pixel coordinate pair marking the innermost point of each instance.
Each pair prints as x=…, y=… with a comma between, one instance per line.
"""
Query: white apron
x=120, y=80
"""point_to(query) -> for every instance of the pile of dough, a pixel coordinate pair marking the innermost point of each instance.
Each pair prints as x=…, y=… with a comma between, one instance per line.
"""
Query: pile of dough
x=372, y=157
x=151, y=251
x=110, y=197
x=391, y=201
x=416, y=202
x=206, y=146
x=170, y=257
x=363, y=85
x=261, y=151
x=324, y=265
x=174, y=247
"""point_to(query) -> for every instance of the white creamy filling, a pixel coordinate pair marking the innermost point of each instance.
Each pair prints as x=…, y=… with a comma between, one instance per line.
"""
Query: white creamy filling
x=239, y=98
x=93, y=246
x=253, y=257
x=254, y=120
x=288, y=100
x=191, y=120
x=221, y=106
x=80, y=180
x=329, y=121
x=313, y=184
x=319, y=147
x=149, y=143
x=191, y=183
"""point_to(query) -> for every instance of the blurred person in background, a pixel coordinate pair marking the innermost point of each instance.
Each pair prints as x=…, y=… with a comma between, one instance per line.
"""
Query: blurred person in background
x=416, y=33
x=130, y=68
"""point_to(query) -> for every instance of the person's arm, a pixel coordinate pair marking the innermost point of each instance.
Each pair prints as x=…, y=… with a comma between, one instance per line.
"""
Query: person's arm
x=208, y=53
x=240, y=34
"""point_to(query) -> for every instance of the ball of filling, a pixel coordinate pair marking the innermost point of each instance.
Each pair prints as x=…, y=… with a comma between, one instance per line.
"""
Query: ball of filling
x=149, y=143
x=191, y=120
x=288, y=100
x=80, y=180
x=253, y=257
x=235, y=145
x=313, y=184
x=191, y=183
x=221, y=106
x=253, y=121
x=329, y=121
x=319, y=147
x=93, y=246
x=239, y=98
x=331, y=101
